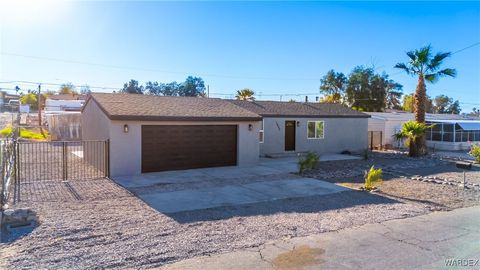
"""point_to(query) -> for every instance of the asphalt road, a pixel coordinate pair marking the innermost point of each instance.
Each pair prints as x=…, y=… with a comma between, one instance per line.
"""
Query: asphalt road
x=441, y=240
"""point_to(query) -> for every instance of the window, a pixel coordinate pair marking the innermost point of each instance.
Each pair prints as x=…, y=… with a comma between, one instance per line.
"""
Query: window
x=315, y=129
x=261, y=133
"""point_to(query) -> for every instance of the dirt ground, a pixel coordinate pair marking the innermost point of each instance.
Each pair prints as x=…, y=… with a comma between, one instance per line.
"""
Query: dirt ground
x=97, y=224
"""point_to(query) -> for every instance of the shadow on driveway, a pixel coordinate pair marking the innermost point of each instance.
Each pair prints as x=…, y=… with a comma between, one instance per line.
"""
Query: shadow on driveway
x=310, y=204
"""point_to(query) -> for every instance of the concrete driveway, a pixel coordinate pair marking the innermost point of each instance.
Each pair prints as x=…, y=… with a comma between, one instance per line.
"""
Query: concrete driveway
x=187, y=190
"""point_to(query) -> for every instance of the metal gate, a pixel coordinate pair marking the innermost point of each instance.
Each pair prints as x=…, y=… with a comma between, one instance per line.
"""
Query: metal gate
x=375, y=140
x=67, y=160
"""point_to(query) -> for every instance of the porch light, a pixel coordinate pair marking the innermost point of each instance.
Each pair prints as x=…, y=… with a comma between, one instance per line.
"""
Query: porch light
x=250, y=127
x=298, y=123
x=125, y=128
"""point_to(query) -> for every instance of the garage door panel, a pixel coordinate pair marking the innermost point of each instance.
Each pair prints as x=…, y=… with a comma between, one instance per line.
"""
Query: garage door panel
x=179, y=147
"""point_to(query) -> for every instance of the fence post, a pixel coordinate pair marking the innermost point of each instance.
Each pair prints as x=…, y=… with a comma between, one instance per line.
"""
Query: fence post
x=107, y=158
x=64, y=161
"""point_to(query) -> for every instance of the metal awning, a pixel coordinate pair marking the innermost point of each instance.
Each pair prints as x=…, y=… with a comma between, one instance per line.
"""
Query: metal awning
x=469, y=125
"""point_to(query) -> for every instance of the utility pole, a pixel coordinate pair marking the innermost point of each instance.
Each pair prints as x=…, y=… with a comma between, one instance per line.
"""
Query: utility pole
x=208, y=91
x=39, y=107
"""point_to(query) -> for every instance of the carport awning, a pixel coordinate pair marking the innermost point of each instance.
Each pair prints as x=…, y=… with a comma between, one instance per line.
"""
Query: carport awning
x=469, y=125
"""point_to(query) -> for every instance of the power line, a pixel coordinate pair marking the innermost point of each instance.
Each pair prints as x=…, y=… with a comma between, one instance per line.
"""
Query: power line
x=155, y=70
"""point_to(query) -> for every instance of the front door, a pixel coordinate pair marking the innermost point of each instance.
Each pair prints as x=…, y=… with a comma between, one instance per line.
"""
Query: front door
x=289, y=135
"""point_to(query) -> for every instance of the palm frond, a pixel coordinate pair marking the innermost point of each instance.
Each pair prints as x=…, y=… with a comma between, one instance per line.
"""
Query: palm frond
x=437, y=60
x=423, y=55
x=432, y=78
x=404, y=66
x=412, y=55
x=448, y=72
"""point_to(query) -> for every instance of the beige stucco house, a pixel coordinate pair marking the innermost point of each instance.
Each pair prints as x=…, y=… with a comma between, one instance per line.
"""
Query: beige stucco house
x=157, y=133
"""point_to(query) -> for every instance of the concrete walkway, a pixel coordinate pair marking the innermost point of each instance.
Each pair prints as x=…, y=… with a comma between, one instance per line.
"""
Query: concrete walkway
x=441, y=240
x=229, y=186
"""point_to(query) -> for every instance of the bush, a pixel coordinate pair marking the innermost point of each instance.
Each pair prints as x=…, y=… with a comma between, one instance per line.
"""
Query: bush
x=373, y=178
x=475, y=152
x=24, y=133
x=308, y=162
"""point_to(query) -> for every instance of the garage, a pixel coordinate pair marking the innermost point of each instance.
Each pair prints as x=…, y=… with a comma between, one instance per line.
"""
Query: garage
x=180, y=147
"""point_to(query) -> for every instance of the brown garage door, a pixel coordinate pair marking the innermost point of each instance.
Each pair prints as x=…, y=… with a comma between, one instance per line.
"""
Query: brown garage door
x=188, y=146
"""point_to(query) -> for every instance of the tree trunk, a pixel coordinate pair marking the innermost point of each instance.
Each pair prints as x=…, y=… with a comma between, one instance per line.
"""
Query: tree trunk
x=420, y=105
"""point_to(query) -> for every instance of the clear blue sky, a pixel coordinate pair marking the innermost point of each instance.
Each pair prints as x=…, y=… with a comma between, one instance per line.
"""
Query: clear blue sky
x=273, y=48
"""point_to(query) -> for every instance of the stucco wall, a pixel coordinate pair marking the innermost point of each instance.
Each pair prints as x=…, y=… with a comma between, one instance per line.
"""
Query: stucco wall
x=125, y=148
x=339, y=134
x=95, y=124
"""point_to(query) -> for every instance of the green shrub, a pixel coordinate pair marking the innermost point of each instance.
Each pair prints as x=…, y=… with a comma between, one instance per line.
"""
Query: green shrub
x=6, y=131
x=475, y=152
x=373, y=178
x=25, y=133
x=308, y=162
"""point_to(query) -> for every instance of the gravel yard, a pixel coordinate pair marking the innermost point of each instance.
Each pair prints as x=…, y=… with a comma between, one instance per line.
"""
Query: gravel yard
x=429, y=180
x=91, y=223
x=110, y=227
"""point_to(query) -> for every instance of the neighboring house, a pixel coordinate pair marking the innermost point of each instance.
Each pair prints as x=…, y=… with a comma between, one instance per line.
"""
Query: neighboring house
x=451, y=131
x=64, y=102
x=157, y=133
x=308, y=127
x=64, y=126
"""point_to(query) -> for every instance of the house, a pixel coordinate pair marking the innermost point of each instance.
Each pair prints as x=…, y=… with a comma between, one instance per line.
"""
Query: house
x=154, y=133
x=308, y=127
x=158, y=133
x=64, y=102
x=450, y=132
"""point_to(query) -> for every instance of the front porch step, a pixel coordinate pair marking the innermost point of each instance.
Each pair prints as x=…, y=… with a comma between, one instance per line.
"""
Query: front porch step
x=284, y=155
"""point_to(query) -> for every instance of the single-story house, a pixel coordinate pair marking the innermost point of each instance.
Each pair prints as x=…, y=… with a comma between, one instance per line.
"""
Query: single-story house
x=64, y=102
x=450, y=132
x=158, y=133
x=308, y=127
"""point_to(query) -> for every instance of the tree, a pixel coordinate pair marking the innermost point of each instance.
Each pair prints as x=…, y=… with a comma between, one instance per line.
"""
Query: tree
x=31, y=98
x=475, y=112
x=162, y=89
x=427, y=68
x=394, y=94
x=85, y=90
x=408, y=104
x=333, y=85
x=67, y=88
x=245, y=94
x=192, y=87
x=367, y=91
x=132, y=87
x=412, y=131
x=445, y=104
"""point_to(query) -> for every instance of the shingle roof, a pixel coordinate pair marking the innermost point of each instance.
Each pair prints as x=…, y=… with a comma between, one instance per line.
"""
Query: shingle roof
x=298, y=109
x=161, y=108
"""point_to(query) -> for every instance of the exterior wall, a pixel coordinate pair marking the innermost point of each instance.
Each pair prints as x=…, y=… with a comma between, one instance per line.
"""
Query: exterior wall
x=95, y=126
x=388, y=129
x=61, y=105
x=449, y=146
x=339, y=134
x=126, y=152
x=95, y=123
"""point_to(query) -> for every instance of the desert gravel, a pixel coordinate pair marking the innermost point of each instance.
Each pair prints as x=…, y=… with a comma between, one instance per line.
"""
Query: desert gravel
x=107, y=227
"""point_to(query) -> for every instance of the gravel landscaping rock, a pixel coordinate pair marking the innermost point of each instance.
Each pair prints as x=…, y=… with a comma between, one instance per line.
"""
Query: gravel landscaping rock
x=116, y=230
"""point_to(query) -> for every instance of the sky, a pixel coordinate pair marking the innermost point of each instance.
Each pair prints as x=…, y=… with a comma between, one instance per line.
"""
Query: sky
x=278, y=49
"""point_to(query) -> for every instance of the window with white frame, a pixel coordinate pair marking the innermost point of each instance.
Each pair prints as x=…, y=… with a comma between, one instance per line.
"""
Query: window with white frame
x=261, y=133
x=315, y=129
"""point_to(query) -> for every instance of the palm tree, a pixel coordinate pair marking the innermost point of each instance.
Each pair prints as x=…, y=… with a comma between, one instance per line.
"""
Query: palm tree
x=427, y=67
x=412, y=131
x=245, y=94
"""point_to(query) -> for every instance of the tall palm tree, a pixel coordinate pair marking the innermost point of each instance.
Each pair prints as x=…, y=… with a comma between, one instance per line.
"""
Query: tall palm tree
x=426, y=66
x=411, y=131
x=245, y=94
